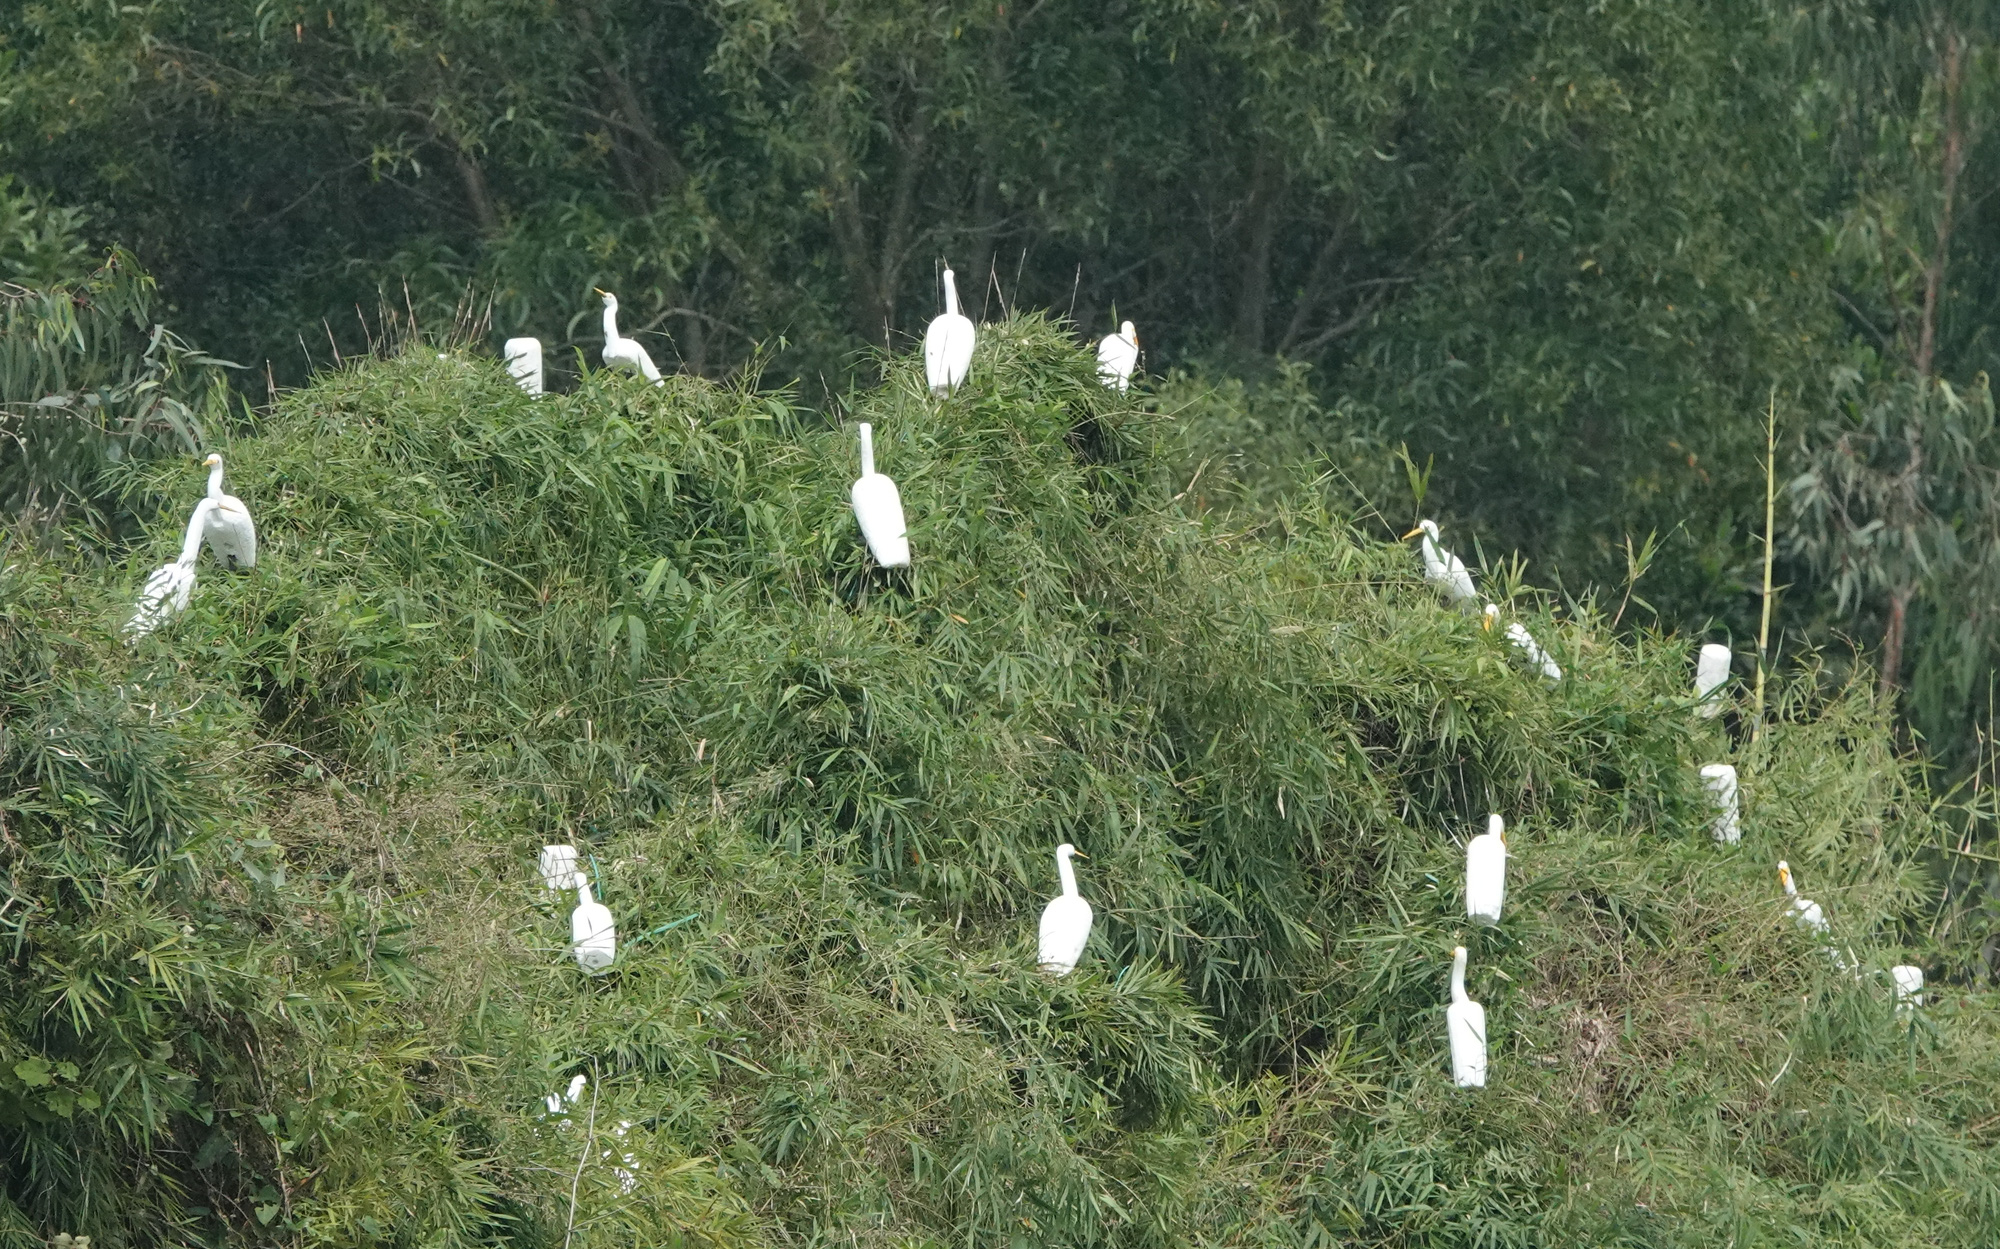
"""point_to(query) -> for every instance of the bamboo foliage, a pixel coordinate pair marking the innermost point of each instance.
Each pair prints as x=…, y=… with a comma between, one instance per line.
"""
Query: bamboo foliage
x=822, y=797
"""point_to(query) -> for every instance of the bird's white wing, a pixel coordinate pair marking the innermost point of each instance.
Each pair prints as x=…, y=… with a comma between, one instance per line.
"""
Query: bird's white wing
x=1518, y=634
x=1117, y=357
x=878, y=506
x=166, y=592
x=232, y=534
x=948, y=344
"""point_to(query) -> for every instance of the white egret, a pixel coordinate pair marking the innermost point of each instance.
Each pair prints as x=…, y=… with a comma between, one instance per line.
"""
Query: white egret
x=1465, y=1019
x=1118, y=356
x=948, y=343
x=1711, y=673
x=558, y=866
x=524, y=363
x=621, y=352
x=1066, y=919
x=1909, y=987
x=1804, y=910
x=167, y=590
x=879, y=508
x=1441, y=568
x=1720, y=778
x=593, y=935
x=1524, y=641
x=1486, y=872
x=558, y=1103
x=232, y=535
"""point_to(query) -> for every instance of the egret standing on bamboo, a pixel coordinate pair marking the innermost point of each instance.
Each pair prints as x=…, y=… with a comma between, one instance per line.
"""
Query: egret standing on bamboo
x=1525, y=642
x=1066, y=919
x=524, y=363
x=558, y=867
x=621, y=352
x=1465, y=1019
x=1909, y=982
x=1486, y=873
x=168, y=589
x=879, y=508
x=1443, y=569
x=948, y=343
x=1118, y=356
x=232, y=535
x=1804, y=910
x=592, y=933
x=1721, y=781
x=1711, y=673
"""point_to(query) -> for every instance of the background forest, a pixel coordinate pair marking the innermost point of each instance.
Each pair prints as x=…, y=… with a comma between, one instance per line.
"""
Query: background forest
x=1539, y=268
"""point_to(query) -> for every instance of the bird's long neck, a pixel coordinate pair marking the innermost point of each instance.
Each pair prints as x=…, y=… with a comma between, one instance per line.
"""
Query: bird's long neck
x=1458, y=976
x=950, y=294
x=1068, y=875
x=610, y=324
x=197, y=526
x=583, y=897
x=215, y=480
x=867, y=449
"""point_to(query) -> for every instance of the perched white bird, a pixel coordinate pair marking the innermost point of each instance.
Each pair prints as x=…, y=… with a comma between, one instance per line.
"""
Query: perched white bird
x=948, y=343
x=167, y=590
x=621, y=352
x=1721, y=781
x=1711, y=673
x=879, y=508
x=1465, y=1019
x=1066, y=919
x=593, y=935
x=1118, y=356
x=556, y=1101
x=558, y=865
x=1441, y=568
x=1804, y=910
x=1486, y=872
x=1909, y=987
x=1525, y=642
x=559, y=1103
x=232, y=535
x=524, y=363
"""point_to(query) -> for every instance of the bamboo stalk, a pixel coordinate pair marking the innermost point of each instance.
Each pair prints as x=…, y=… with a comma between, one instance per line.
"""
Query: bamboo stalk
x=1770, y=513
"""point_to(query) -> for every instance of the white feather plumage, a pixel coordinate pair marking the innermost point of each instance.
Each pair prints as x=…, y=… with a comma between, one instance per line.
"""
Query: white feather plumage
x=948, y=343
x=1066, y=920
x=1118, y=357
x=621, y=352
x=232, y=535
x=878, y=506
x=1486, y=873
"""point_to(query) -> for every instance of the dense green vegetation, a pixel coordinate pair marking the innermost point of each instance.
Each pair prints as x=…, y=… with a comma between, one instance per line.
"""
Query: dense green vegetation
x=1566, y=252
x=281, y=970
x=277, y=966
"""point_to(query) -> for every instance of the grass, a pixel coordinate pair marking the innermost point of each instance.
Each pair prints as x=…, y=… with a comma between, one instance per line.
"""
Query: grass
x=642, y=620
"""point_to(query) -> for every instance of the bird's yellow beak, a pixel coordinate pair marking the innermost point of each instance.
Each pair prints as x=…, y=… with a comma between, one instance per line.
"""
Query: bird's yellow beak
x=1413, y=533
x=212, y=460
x=1078, y=853
x=1784, y=876
x=1486, y=621
x=600, y=290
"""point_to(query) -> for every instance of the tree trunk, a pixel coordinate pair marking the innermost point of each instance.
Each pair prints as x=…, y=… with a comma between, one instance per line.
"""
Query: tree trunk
x=1892, y=642
x=476, y=192
x=1260, y=226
